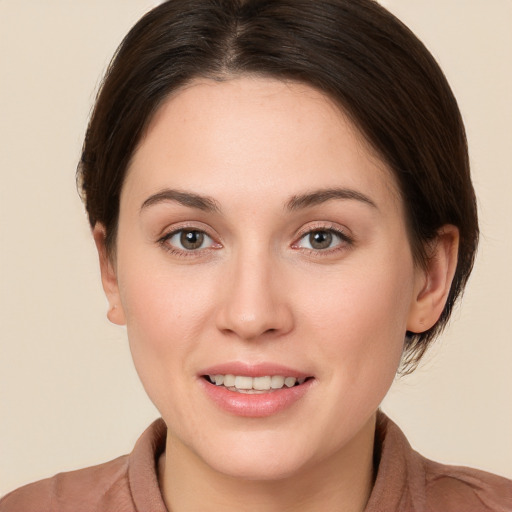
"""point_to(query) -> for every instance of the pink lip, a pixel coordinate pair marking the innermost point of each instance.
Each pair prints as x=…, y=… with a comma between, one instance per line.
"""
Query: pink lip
x=254, y=405
x=253, y=370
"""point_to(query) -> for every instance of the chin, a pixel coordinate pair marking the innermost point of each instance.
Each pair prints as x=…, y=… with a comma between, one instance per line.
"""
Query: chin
x=256, y=457
x=257, y=469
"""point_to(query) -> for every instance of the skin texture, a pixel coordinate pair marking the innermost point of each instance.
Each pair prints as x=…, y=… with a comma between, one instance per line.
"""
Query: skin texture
x=257, y=292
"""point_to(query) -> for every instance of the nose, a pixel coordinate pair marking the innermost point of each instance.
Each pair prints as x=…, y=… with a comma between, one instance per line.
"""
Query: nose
x=255, y=302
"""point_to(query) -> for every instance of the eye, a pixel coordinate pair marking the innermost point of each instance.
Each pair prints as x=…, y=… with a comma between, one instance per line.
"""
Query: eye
x=188, y=240
x=322, y=239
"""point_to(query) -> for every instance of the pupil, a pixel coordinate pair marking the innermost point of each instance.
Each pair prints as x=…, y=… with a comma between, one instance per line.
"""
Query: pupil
x=320, y=239
x=192, y=239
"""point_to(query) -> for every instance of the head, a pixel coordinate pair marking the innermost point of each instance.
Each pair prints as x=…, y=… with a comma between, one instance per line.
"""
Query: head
x=355, y=52
x=353, y=59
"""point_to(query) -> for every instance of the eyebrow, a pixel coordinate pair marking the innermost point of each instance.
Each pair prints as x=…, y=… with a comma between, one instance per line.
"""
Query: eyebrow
x=189, y=199
x=297, y=202
x=321, y=196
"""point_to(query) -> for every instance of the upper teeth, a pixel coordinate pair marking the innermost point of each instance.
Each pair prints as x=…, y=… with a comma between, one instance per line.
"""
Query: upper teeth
x=244, y=383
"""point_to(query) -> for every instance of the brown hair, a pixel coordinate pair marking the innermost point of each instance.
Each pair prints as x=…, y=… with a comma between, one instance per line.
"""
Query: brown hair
x=353, y=50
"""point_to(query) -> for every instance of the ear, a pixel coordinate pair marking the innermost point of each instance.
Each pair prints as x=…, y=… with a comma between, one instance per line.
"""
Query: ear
x=108, y=277
x=433, y=283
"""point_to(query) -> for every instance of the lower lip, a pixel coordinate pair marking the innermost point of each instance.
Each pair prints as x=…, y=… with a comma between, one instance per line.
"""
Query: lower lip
x=257, y=405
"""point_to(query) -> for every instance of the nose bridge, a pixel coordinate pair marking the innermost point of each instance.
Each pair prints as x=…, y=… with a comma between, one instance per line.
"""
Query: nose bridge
x=254, y=299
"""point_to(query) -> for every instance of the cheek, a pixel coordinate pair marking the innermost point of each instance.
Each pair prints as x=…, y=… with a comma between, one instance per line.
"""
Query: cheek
x=157, y=294
x=165, y=314
x=359, y=317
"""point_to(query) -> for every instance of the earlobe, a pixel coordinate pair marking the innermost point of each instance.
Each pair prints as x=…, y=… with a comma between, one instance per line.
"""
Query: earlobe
x=108, y=277
x=433, y=283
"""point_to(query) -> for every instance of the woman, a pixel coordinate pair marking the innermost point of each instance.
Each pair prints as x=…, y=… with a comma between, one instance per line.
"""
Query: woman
x=280, y=197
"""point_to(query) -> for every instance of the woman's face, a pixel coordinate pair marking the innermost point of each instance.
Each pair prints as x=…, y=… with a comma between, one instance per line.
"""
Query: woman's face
x=260, y=238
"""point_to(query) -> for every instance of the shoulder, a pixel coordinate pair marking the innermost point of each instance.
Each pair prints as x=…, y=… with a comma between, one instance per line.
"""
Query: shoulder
x=126, y=484
x=454, y=488
x=104, y=487
x=406, y=481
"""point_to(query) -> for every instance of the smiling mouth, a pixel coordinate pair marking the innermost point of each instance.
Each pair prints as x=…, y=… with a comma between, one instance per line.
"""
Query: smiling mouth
x=254, y=385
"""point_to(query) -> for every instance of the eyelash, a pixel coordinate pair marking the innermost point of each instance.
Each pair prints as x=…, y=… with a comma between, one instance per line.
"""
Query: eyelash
x=345, y=241
x=184, y=253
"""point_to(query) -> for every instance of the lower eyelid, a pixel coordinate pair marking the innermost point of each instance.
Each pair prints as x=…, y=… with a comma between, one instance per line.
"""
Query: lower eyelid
x=343, y=240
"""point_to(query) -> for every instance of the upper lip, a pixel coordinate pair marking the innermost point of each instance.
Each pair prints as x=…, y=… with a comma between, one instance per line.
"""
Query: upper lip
x=253, y=370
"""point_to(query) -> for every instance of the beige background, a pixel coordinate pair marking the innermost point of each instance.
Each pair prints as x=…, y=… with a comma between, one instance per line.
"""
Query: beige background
x=69, y=396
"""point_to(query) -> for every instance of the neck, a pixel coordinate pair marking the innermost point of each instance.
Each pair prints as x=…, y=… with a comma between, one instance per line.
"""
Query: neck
x=342, y=481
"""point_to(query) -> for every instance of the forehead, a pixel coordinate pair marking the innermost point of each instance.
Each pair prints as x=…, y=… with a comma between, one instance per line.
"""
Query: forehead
x=254, y=135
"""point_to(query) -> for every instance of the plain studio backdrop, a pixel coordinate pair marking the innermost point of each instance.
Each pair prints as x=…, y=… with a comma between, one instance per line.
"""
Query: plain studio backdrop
x=69, y=396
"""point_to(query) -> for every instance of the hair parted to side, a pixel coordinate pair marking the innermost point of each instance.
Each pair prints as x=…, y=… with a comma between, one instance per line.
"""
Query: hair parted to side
x=354, y=51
